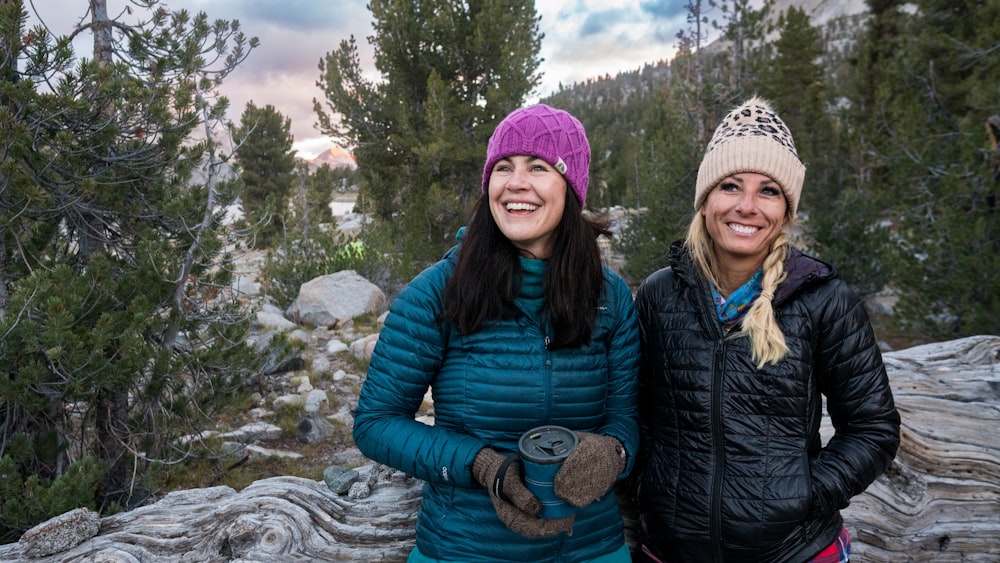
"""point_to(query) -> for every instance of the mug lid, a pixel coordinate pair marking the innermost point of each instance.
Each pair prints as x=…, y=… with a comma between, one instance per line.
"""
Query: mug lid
x=547, y=444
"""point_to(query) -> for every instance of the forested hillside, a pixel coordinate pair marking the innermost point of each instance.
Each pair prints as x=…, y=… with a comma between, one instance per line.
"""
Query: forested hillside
x=889, y=110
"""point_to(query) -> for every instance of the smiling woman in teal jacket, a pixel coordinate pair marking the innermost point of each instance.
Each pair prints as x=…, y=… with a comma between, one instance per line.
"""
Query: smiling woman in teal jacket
x=518, y=326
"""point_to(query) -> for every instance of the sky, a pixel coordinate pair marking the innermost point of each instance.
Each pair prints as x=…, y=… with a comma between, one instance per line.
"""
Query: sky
x=582, y=39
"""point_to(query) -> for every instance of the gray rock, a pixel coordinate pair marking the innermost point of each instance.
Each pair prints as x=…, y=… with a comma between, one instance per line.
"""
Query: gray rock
x=60, y=533
x=334, y=299
x=274, y=320
x=340, y=479
x=363, y=347
x=314, y=400
x=359, y=491
x=313, y=429
x=319, y=365
x=335, y=347
x=254, y=432
x=289, y=401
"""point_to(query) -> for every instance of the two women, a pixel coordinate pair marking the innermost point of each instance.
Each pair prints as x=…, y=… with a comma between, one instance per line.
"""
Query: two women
x=743, y=336
x=517, y=326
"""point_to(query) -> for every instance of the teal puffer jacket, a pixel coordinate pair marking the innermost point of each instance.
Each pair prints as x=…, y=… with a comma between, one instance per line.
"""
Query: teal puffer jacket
x=489, y=388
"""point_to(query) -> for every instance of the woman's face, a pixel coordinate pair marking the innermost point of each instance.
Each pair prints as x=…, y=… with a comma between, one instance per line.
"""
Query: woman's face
x=527, y=199
x=743, y=214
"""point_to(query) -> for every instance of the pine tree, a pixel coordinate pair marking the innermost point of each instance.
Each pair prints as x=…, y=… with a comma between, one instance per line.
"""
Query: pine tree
x=946, y=192
x=116, y=339
x=665, y=161
x=796, y=83
x=916, y=119
x=734, y=71
x=449, y=72
x=793, y=81
x=267, y=164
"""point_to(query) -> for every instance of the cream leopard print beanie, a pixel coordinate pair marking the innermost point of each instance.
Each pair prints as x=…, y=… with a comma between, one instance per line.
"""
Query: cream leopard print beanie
x=752, y=138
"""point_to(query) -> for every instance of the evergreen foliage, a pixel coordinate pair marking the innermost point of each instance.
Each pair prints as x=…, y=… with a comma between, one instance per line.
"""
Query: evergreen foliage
x=267, y=166
x=932, y=145
x=318, y=189
x=449, y=72
x=117, y=339
x=32, y=499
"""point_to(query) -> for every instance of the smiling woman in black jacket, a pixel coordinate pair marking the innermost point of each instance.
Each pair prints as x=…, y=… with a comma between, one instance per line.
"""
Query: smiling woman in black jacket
x=742, y=337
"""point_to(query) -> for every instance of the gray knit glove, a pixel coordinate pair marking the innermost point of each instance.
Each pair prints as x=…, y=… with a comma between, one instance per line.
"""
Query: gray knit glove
x=590, y=470
x=515, y=505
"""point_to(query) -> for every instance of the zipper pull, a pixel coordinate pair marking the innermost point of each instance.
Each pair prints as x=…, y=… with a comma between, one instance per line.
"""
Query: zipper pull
x=547, y=341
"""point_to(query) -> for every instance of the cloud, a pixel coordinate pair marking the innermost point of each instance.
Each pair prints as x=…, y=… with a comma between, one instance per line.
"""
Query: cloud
x=294, y=36
x=599, y=23
x=667, y=10
x=343, y=15
x=587, y=39
x=583, y=39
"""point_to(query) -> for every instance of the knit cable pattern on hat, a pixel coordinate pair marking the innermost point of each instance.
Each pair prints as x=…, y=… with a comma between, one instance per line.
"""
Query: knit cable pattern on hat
x=548, y=133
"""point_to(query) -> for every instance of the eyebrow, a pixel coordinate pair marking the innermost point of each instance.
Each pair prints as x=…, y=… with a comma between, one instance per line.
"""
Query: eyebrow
x=737, y=179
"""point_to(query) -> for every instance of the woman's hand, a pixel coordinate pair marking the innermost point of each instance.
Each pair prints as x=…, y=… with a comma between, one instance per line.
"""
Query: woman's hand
x=590, y=470
x=516, y=506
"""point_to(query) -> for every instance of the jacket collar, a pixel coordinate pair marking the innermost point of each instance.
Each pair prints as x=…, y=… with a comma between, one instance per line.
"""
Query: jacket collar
x=802, y=270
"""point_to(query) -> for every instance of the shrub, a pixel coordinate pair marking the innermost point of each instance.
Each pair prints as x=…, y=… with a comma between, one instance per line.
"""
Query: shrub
x=32, y=500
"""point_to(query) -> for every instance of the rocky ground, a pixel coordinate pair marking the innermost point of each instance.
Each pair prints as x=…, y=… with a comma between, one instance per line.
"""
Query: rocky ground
x=309, y=412
x=299, y=419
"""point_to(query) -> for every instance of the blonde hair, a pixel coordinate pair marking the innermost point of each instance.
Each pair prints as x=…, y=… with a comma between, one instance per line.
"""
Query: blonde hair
x=767, y=342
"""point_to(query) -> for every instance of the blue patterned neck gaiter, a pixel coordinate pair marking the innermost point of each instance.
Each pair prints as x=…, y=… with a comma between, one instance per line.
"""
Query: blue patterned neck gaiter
x=731, y=310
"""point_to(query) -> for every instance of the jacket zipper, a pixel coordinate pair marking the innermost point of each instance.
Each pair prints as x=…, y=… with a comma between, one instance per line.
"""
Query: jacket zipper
x=711, y=324
x=547, y=358
x=548, y=377
x=718, y=447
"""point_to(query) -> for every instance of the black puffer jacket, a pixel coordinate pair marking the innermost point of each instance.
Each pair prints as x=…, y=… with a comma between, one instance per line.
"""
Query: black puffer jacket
x=732, y=466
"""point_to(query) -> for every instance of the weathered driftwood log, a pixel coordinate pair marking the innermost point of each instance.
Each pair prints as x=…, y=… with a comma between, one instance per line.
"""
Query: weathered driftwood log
x=940, y=500
x=277, y=519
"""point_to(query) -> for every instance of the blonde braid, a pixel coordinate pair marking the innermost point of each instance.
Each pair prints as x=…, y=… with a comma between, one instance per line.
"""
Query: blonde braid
x=767, y=343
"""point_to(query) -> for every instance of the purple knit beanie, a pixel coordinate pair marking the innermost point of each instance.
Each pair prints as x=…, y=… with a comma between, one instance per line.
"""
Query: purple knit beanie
x=547, y=133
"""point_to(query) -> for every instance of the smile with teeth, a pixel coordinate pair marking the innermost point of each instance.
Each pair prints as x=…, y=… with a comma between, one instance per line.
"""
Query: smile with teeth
x=743, y=229
x=519, y=206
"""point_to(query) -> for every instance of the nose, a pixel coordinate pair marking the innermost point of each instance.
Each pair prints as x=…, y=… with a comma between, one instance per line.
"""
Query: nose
x=518, y=179
x=746, y=204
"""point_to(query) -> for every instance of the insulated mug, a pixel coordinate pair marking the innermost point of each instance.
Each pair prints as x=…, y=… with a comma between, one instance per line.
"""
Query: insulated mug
x=542, y=450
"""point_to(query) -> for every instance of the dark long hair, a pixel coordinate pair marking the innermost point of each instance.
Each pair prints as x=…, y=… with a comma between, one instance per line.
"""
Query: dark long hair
x=487, y=277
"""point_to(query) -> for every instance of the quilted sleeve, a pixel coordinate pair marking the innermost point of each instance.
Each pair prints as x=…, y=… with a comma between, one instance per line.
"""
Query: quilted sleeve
x=406, y=358
x=621, y=420
x=859, y=399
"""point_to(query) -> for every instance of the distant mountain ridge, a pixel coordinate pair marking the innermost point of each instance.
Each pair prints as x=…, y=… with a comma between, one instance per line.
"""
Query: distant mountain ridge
x=335, y=157
x=821, y=12
x=839, y=22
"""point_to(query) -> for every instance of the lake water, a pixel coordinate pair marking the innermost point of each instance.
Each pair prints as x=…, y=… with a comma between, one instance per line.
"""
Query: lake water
x=340, y=208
